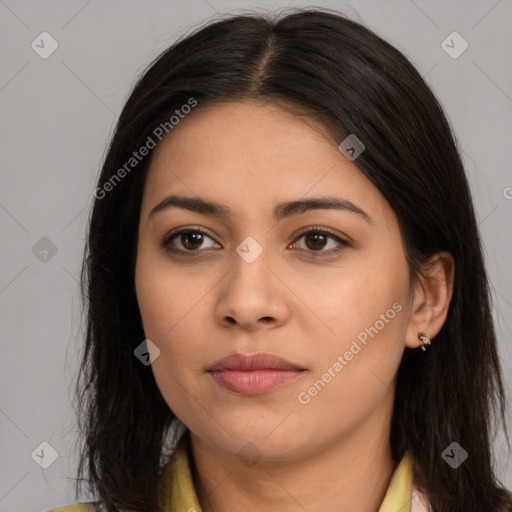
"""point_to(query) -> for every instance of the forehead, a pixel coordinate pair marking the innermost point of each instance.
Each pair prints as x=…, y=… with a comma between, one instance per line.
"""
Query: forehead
x=252, y=155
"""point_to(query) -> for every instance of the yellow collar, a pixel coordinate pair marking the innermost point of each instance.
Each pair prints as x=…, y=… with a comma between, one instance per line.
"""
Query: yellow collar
x=179, y=484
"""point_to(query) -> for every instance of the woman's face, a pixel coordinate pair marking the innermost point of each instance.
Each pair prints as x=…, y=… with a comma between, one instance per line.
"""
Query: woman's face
x=336, y=305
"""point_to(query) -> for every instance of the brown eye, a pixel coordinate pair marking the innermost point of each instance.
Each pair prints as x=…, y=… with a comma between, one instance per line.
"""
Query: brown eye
x=316, y=240
x=187, y=240
x=191, y=240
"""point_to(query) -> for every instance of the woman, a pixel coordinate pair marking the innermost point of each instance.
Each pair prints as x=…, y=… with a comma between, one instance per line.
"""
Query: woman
x=283, y=262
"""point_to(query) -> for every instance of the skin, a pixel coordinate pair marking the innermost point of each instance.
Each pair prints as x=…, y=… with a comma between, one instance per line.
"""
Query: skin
x=332, y=453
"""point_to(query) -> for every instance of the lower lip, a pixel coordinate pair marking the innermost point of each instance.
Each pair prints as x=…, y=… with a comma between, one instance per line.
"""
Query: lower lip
x=253, y=382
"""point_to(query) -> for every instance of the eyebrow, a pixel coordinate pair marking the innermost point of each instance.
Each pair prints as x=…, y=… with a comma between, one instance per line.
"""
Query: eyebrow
x=281, y=210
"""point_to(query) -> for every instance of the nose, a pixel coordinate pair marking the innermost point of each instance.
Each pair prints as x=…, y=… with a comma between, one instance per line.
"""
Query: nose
x=252, y=295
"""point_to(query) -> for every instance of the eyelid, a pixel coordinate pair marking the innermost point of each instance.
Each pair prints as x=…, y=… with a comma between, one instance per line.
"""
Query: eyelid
x=187, y=229
x=321, y=229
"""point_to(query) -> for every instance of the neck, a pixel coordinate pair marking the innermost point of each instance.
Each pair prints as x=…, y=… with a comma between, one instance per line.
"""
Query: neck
x=350, y=473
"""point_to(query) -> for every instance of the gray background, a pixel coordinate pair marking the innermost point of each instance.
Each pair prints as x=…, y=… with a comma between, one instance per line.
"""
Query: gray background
x=57, y=115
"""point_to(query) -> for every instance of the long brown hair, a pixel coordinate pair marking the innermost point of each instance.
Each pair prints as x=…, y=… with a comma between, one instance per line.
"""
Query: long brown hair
x=354, y=82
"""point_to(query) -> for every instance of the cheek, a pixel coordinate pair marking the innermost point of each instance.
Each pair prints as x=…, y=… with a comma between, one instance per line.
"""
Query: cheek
x=366, y=311
x=354, y=371
x=166, y=294
x=174, y=304
x=171, y=309
x=365, y=295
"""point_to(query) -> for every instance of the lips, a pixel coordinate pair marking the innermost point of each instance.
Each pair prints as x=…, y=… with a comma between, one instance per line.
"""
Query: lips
x=253, y=374
x=253, y=362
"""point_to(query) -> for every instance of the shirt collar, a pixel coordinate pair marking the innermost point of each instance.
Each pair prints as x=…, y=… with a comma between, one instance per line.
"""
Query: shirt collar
x=178, y=483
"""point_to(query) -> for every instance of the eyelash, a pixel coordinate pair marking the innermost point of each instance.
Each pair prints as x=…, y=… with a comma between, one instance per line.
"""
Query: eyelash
x=166, y=242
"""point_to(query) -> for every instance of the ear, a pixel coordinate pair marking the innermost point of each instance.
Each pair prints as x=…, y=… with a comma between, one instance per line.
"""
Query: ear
x=431, y=298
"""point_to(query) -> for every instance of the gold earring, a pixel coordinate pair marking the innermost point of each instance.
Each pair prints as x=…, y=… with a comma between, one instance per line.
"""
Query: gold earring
x=425, y=339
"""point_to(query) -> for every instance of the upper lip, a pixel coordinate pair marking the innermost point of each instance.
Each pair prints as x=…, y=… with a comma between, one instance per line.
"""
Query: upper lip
x=259, y=361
